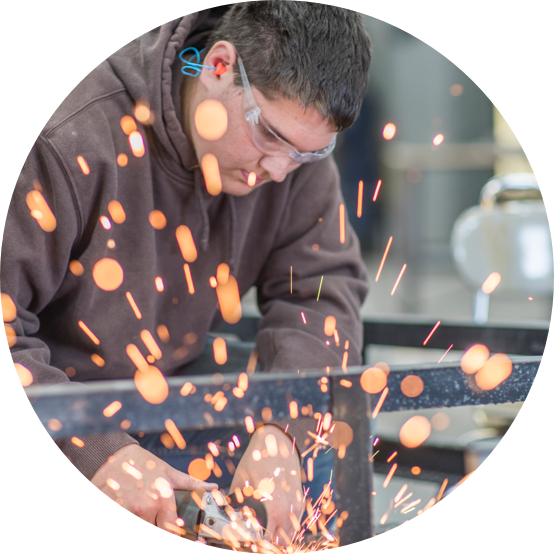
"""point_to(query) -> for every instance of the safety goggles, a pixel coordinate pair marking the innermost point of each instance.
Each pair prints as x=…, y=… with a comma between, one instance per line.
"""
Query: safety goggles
x=263, y=136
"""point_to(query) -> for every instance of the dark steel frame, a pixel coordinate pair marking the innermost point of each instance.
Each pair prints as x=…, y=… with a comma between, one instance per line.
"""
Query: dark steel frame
x=79, y=408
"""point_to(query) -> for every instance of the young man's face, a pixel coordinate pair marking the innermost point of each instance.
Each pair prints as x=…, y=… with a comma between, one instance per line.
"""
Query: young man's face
x=236, y=152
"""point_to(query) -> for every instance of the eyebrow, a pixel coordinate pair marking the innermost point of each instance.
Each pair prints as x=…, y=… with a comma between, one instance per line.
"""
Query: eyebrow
x=270, y=125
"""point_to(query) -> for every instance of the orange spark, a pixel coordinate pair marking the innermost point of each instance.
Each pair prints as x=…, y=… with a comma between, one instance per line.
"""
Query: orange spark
x=9, y=311
x=186, y=243
x=456, y=90
x=389, y=476
x=105, y=222
x=175, y=434
x=220, y=351
x=293, y=409
x=495, y=371
x=111, y=243
x=133, y=304
x=116, y=211
x=152, y=385
x=252, y=361
x=360, y=198
x=442, y=489
x=415, y=431
x=212, y=447
x=389, y=131
x=342, y=218
x=400, y=492
x=243, y=382
x=303, y=317
x=89, y=333
x=83, y=165
x=159, y=284
x=151, y=344
x=136, y=143
x=330, y=325
x=76, y=268
x=212, y=177
x=228, y=296
x=310, y=469
x=107, y=274
x=380, y=403
x=188, y=277
x=336, y=337
x=163, y=333
x=474, y=358
x=136, y=357
x=99, y=361
x=54, y=424
x=377, y=189
x=383, y=260
x=398, y=280
x=440, y=421
x=25, y=376
x=132, y=471
x=431, y=333
x=157, y=219
x=41, y=211
x=112, y=484
x=344, y=360
x=128, y=124
x=112, y=409
x=491, y=282
x=10, y=334
x=77, y=442
x=142, y=113
x=345, y=383
x=239, y=393
x=213, y=282
x=447, y=351
x=291, y=279
x=416, y=470
x=187, y=388
x=252, y=179
x=392, y=456
x=122, y=160
x=438, y=139
x=249, y=423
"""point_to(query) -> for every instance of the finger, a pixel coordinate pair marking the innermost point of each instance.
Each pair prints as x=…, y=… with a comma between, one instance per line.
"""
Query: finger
x=166, y=518
x=182, y=481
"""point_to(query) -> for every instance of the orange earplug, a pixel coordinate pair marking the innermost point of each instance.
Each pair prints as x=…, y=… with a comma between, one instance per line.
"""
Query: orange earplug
x=220, y=69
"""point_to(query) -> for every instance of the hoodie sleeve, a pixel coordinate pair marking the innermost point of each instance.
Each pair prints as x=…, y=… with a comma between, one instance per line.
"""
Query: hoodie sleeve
x=329, y=280
x=42, y=227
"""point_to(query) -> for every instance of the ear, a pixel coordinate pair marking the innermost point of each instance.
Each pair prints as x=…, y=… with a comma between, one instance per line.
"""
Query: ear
x=221, y=52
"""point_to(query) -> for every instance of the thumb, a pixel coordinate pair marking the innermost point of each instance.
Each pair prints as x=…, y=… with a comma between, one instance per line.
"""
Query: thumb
x=183, y=482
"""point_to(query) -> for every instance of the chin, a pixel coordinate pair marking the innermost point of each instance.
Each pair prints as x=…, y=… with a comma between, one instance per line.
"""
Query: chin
x=238, y=188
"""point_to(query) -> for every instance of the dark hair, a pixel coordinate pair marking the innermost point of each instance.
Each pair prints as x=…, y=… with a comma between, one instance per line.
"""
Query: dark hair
x=316, y=54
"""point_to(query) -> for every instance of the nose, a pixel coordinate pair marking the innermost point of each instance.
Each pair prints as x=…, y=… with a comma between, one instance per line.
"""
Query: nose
x=277, y=167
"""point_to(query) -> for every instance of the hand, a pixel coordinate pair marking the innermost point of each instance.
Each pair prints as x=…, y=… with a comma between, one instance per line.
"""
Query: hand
x=271, y=466
x=144, y=484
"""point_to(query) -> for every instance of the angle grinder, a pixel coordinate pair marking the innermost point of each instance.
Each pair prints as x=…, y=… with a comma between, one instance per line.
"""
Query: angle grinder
x=216, y=519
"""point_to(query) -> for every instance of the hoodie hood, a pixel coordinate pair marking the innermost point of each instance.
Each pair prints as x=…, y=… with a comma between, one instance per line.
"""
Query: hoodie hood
x=150, y=69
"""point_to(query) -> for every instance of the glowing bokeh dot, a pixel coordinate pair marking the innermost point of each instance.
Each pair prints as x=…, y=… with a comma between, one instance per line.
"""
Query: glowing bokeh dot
x=198, y=469
x=107, y=274
x=210, y=119
x=415, y=431
x=373, y=380
x=412, y=386
x=474, y=359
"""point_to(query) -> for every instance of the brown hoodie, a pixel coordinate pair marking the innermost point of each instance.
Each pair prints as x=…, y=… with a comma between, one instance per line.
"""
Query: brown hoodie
x=260, y=236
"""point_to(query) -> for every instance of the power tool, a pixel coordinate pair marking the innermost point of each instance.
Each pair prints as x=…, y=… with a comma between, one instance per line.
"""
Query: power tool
x=218, y=520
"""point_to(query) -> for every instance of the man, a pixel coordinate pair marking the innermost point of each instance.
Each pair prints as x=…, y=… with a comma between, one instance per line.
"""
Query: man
x=92, y=258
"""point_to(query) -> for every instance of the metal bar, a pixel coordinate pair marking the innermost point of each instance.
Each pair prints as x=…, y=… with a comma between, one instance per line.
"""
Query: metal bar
x=449, y=386
x=79, y=407
x=516, y=338
x=353, y=472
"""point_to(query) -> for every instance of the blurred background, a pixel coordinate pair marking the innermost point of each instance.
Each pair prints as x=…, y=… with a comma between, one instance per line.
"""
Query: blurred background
x=448, y=231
